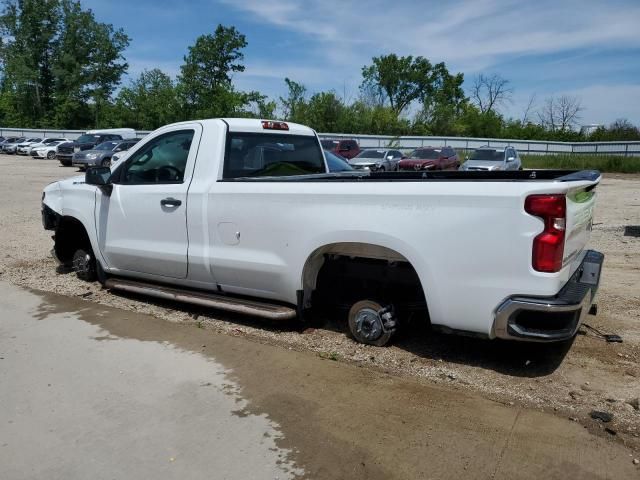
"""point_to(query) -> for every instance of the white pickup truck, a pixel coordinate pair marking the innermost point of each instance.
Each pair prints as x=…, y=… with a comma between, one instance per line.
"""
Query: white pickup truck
x=243, y=215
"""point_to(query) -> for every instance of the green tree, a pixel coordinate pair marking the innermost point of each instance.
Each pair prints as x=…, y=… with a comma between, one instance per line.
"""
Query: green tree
x=400, y=80
x=88, y=65
x=325, y=112
x=294, y=104
x=474, y=123
x=442, y=103
x=621, y=129
x=205, y=77
x=149, y=102
x=29, y=30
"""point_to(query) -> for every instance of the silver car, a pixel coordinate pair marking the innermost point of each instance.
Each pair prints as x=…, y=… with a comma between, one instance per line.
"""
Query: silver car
x=377, y=160
x=492, y=158
x=101, y=154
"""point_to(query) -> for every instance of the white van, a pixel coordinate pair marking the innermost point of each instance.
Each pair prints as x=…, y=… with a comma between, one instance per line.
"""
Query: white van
x=125, y=133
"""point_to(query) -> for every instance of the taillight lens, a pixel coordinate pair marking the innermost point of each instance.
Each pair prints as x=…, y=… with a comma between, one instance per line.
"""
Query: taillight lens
x=271, y=125
x=548, y=246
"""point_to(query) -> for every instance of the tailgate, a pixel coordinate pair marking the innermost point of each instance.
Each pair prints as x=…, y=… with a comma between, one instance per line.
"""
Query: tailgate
x=580, y=203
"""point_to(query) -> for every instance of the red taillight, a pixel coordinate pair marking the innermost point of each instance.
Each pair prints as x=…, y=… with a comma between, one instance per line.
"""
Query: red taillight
x=548, y=246
x=269, y=125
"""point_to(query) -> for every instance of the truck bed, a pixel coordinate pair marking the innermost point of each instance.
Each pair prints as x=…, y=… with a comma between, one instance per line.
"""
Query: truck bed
x=443, y=175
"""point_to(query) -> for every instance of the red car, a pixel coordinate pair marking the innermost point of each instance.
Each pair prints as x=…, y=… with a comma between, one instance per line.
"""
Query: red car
x=345, y=148
x=431, y=158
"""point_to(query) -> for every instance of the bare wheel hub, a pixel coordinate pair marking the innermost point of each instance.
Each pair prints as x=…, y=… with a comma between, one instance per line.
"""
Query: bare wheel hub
x=368, y=324
x=82, y=263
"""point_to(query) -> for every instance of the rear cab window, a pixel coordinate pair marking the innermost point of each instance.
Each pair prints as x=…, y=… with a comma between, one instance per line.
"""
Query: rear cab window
x=271, y=155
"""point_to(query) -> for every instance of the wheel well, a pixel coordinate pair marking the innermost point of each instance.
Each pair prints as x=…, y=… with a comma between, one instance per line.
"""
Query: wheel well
x=70, y=235
x=341, y=274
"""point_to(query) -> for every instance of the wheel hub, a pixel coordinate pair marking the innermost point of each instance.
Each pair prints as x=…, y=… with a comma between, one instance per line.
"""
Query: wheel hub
x=368, y=324
x=82, y=263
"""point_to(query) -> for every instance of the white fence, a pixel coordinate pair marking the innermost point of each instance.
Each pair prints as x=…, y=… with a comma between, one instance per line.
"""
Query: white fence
x=535, y=147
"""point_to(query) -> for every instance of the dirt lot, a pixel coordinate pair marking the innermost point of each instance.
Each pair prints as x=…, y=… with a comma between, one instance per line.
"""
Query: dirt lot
x=570, y=380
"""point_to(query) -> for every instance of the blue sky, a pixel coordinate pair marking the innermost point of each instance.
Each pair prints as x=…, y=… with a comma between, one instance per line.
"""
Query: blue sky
x=586, y=48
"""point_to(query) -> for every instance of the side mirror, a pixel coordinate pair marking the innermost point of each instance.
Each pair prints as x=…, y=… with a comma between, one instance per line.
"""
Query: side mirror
x=511, y=159
x=100, y=177
x=390, y=157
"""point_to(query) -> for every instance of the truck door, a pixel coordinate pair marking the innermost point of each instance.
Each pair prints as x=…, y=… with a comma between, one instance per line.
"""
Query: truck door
x=142, y=225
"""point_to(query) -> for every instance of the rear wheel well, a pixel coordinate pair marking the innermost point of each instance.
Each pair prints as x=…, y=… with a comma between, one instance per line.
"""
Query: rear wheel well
x=70, y=236
x=339, y=275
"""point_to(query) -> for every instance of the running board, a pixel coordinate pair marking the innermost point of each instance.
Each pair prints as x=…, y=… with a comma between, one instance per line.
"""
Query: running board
x=228, y=304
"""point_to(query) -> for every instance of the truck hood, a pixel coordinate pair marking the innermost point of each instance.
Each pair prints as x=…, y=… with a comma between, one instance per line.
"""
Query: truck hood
x=83, y=153
x=485, y=165
x=415, y=163
x=364, y=162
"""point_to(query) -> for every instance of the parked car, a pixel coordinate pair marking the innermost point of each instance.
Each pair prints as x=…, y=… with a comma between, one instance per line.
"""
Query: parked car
x=101, y=154
x=431, y=158
x=10, y=145
x=345, y=148
x=377, y=160
x=7, y=141
x=13, y=148
x=47, y=150
x=198, y=213
x=491, y=158
x=89, y=140
x=45, y=142
x=23, y=148
x=336, y=163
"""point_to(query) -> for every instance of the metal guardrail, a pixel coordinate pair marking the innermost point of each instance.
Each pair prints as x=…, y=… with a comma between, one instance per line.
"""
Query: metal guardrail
x=534, y=147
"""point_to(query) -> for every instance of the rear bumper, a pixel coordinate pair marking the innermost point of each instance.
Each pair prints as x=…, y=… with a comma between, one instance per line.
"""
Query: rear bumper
x=551, y=319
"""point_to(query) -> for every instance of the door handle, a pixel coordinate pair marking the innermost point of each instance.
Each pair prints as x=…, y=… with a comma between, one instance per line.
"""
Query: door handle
x=170, y=202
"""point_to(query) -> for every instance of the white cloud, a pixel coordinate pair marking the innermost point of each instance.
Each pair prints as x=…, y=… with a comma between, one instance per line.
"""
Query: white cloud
x=469, y=35
x=606, y=103
x=601, y=103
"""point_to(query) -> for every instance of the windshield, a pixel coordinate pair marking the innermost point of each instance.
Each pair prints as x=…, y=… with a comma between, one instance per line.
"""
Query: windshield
x=487, y=155
x=86, y=138
x=336, y=163
x=371, y=154
x=272, y=155
x=106, y=146
x=425, y=154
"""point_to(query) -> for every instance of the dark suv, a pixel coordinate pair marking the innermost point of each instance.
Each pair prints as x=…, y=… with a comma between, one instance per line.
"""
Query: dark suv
x=345, y=148
x=65, y=151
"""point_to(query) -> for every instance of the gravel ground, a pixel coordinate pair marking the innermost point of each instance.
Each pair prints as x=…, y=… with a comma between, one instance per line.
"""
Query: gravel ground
x=571, y=379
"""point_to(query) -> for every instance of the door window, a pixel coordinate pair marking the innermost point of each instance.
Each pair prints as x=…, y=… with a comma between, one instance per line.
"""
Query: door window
x=162, y=160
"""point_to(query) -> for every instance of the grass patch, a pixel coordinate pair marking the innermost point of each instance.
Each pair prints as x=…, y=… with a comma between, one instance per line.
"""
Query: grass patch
x=604, y=163
x=329, y=356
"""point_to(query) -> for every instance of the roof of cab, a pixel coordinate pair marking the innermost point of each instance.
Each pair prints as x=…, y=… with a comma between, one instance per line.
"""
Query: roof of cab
x=255, y=126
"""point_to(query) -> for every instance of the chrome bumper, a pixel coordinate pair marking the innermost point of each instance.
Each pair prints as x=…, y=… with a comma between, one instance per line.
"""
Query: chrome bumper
x=551, y=319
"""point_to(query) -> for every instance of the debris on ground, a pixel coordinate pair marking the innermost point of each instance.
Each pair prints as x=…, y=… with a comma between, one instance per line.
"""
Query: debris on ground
x=604, y=417
x=634, y=402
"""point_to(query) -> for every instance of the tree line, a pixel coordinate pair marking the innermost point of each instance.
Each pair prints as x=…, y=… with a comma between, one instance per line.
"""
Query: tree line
x=60, y=67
